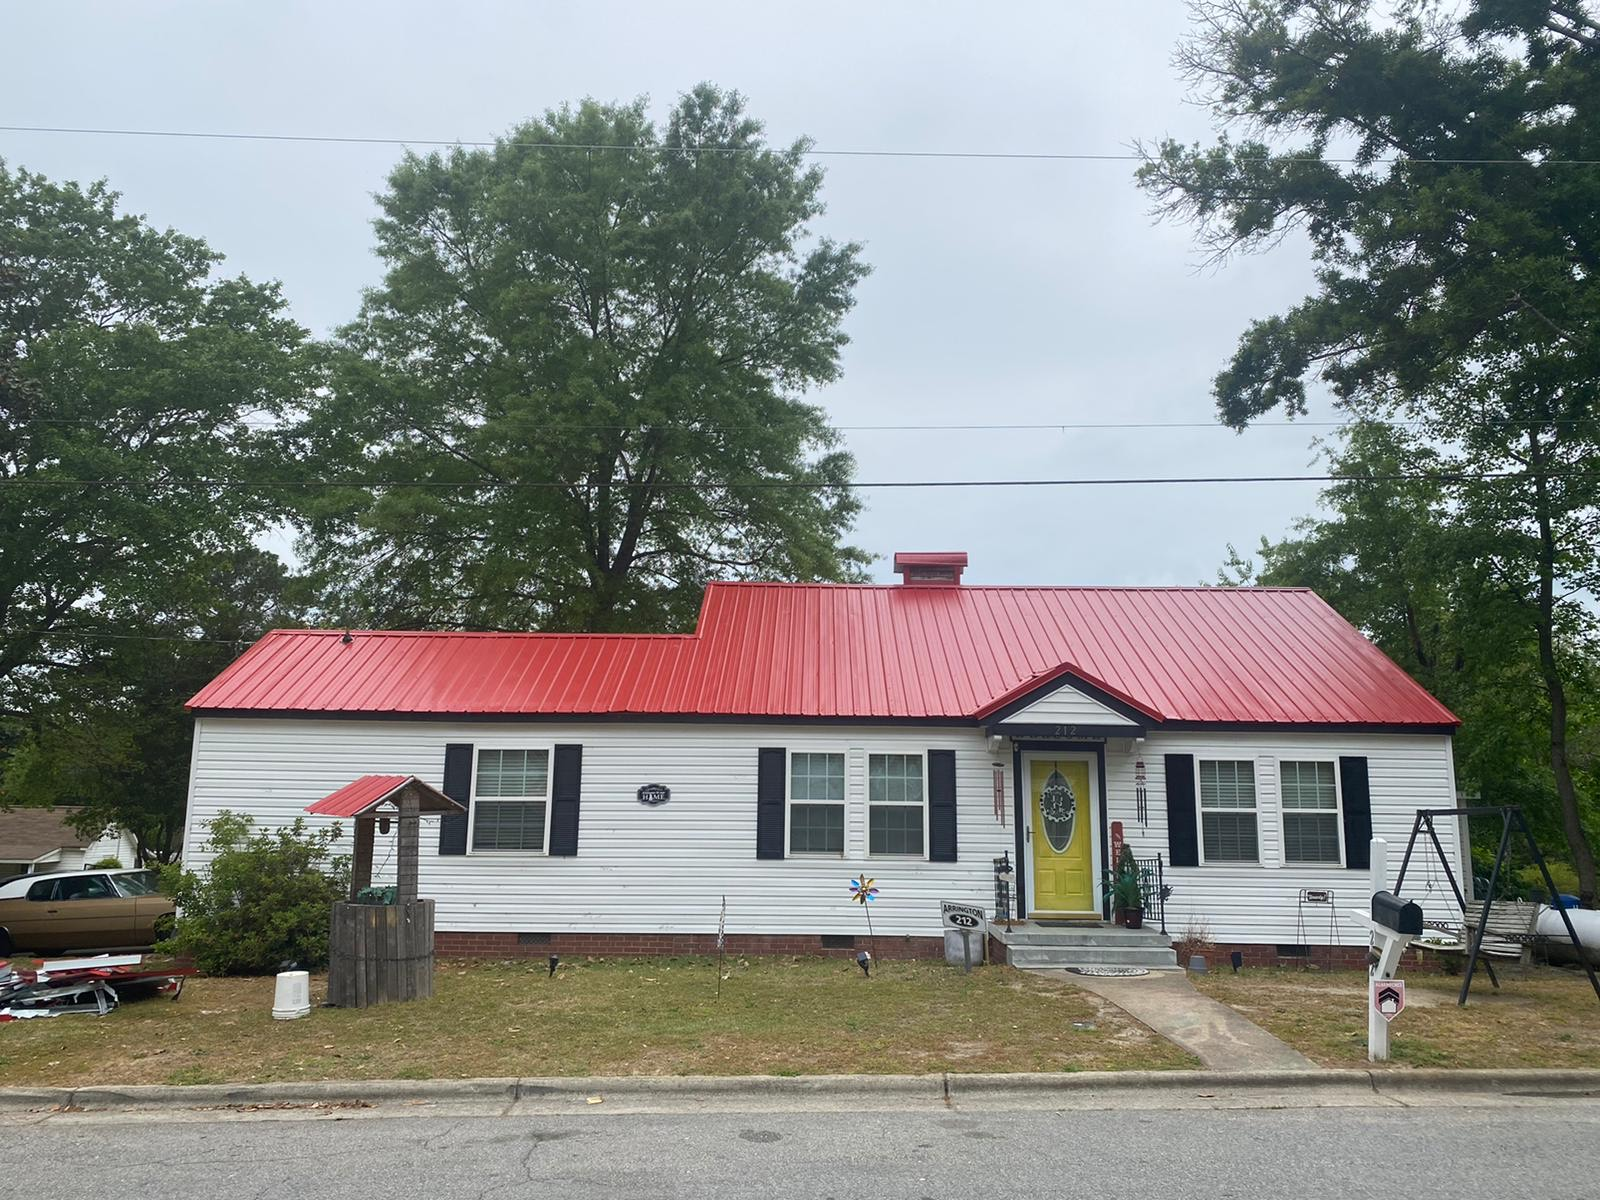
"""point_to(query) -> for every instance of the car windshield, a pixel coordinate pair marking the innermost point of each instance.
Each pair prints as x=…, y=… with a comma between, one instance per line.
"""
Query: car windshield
x=136, y=883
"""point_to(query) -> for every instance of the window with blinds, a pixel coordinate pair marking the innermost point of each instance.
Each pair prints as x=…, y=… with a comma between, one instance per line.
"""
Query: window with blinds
x=510, y=800
x=1310, y=799
x=816, y=803
x=1228, y=832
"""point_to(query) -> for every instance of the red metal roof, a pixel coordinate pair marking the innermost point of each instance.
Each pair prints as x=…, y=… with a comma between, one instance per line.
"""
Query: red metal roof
x=365, y=794
x=357, y=796
x=1246, y=655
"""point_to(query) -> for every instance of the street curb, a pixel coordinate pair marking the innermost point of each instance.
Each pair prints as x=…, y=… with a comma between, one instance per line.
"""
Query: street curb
x=937, y=1088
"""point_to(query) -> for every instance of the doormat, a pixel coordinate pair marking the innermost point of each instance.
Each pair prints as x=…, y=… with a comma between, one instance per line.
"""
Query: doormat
x=1113, y=972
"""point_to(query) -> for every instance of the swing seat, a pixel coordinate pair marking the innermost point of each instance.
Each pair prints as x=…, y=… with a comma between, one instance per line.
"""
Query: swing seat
x=1510, y=932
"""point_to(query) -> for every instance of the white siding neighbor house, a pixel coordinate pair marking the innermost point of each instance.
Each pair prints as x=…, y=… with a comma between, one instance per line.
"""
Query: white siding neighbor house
x=43, y=839
x=620, y=788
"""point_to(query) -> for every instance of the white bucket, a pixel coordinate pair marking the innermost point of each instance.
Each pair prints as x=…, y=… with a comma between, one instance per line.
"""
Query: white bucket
x=293, y=996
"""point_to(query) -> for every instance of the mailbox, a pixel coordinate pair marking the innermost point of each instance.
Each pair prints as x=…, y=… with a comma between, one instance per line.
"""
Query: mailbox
x=1402, y=916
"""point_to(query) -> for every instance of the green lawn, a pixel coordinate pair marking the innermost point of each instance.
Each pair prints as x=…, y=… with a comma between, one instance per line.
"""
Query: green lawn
x=1551, y=1018
x=603, y=1017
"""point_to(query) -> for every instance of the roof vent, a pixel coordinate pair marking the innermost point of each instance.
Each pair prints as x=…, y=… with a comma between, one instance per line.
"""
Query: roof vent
x=942, y=569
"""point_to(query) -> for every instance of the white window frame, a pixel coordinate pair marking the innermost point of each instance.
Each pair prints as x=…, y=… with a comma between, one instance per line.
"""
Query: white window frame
x=1337, y=810
x=549, y=799
x=789, y=801
x=1200, y=811
x=867, y=796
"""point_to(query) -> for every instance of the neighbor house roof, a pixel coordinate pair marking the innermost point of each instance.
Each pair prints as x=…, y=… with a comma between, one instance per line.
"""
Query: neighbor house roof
x=883, y=652
x=27, y=834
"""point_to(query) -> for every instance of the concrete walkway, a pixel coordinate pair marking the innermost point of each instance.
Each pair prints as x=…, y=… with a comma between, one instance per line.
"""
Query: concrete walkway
x=1217, y=1035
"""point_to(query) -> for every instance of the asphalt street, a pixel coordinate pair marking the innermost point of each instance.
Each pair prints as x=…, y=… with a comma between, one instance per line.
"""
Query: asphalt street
x=1173, y=1154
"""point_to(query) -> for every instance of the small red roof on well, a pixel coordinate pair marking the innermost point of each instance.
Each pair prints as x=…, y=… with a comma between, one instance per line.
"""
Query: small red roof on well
x=354, y=797
x=1254, y=655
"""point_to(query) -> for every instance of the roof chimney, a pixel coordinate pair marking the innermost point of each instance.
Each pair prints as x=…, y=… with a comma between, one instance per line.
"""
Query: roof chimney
x=941, y=569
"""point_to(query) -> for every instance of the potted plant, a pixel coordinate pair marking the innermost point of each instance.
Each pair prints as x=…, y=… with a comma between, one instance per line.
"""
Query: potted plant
x=1127, y=897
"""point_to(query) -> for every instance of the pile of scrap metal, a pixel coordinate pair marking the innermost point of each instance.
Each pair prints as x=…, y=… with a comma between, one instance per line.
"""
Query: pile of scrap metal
x=84, y=985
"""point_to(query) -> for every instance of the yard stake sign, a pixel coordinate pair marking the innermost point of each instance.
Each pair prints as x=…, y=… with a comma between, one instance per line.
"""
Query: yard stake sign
x=864, y=891
x=965, y=919
x=722, y=942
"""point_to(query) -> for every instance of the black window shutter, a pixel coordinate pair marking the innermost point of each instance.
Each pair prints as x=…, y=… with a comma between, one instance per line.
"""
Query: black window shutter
x=1356, y=793
x=941, y=806
x=458, y=786
x=566, y=784
x=1183, y=845
x=771, y=763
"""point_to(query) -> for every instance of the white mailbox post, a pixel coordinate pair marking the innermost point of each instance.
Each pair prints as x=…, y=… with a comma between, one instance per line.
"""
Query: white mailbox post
x=1393, y=923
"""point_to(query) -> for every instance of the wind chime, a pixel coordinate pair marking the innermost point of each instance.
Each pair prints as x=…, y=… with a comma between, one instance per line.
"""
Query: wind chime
x=1141, y=795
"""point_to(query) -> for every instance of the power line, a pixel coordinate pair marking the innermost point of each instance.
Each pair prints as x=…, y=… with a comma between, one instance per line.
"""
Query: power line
x=697, y=427
x=920, y=427
x=489, y=485
x=96, y=635
x=810, y=151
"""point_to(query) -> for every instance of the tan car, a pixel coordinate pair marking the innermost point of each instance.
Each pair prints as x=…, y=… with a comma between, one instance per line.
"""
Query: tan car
x=82, y=910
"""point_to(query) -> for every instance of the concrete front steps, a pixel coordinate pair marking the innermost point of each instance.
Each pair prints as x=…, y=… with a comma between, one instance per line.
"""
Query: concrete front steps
x=1089, y=944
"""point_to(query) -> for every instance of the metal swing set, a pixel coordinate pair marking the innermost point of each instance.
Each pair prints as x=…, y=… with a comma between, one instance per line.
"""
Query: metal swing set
x=1510, y=817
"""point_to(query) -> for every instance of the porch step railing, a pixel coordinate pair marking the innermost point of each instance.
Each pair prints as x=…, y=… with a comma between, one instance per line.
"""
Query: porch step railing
x=1153, y=884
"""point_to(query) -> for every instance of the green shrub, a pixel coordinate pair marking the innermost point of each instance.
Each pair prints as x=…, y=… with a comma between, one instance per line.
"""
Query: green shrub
x=106, y=864
x=265, y=900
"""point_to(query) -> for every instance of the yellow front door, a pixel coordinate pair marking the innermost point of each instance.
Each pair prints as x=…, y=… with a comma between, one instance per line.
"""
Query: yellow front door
x=1062, y=834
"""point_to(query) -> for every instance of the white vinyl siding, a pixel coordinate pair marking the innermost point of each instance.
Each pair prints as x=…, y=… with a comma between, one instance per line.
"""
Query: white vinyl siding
x=1249, y=903
x=1311, y=812
x=665, y=869
x=511, y=800
x=1229, y=832
x=1068, y=706
x=897, y=806
x=816, y=804
x=638, y=869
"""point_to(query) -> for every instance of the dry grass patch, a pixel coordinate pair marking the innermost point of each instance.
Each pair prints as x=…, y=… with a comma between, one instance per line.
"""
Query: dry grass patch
x=655, y=1016
x=1551, y=1018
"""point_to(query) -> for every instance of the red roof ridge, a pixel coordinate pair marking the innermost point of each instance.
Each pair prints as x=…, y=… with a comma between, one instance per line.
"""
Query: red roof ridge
x=286, y=631
x=1008, y=587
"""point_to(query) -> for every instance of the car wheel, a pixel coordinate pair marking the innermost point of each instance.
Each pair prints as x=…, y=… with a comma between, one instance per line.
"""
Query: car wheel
x=166, y=925
x=6, y=944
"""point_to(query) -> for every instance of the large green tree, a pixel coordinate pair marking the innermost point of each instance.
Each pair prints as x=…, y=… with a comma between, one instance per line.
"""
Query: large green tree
x=134, y=384
x=109, y=734
x=591, y=347
x=1438, y=160
x=1391, y=555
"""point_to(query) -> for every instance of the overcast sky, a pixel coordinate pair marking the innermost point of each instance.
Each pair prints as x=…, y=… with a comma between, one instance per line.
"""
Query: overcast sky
x=1002, y=292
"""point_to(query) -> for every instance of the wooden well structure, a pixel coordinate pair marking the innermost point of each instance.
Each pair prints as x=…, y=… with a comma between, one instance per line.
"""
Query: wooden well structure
x=378, y=953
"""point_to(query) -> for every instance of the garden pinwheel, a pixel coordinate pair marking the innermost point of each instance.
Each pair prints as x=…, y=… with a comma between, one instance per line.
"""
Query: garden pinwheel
x=864, y=891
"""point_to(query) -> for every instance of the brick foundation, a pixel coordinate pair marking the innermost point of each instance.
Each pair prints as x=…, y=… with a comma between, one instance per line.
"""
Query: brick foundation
x=449, y=944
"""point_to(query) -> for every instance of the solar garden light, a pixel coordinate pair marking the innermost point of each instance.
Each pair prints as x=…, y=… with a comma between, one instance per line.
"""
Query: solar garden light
x=864, y=961
x=1237, y=959
x=555, y=961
